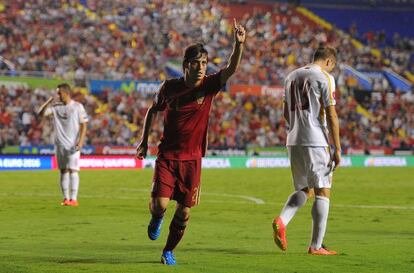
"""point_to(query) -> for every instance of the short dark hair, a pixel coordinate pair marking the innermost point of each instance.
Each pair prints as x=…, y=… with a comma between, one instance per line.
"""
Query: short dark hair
x=65, y=87
x=324, y=52
x=193, y=51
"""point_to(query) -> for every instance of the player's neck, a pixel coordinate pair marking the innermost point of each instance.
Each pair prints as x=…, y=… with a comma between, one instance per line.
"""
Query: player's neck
x=317, y=64
x=192, y=84
x=67, y=101
x=320, y=65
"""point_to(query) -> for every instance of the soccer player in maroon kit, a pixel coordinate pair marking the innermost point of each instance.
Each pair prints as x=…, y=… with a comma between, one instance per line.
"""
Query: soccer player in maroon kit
x=185, y=103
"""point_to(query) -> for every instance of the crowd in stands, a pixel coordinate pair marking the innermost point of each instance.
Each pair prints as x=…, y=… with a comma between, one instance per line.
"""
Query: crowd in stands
x=20, y=125
x=381, y=120
x=397, y=55
x=135, y=39
x=237, y=121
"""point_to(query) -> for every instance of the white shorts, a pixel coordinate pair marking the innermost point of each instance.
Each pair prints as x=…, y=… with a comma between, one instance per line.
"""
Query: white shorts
x=309, y=166
x=67, y=159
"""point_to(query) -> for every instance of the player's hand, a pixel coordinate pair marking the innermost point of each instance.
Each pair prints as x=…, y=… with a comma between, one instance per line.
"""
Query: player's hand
x=79, y=146
x=337, y=158
x=239, y=32
x=142, y=149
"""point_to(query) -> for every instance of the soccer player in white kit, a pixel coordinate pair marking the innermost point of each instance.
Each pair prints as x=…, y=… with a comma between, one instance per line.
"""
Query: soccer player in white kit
x=70, y=121
x=309, y=109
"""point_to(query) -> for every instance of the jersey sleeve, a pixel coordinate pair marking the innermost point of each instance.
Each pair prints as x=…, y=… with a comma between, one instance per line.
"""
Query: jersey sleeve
x=83, y=116
x=328, y=91
x=160, y=102
x=214, y=83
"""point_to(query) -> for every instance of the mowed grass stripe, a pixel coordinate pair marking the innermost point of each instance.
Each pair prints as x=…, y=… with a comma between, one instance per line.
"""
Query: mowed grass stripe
x=224, y=197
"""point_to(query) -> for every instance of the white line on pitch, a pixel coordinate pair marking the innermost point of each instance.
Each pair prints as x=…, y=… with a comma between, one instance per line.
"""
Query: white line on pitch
x=375, y=207
x=250, y=198
x=245, y=197
x=361, y=206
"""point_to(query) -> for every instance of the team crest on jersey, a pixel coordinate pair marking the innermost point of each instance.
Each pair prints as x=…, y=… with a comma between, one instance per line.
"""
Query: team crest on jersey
x=200, y=100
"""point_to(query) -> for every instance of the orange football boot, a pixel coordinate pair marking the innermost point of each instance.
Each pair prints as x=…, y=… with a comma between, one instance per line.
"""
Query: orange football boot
x=73, y=203
x=322, y=251
x=65, y=202
x=279, y=233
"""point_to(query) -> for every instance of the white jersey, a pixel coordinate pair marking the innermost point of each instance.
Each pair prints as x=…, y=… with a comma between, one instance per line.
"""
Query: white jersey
x=67, y=119
x=308, y=91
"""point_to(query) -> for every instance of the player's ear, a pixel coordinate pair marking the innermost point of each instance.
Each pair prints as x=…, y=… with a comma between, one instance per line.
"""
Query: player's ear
x=185, y=66
x=328, y=63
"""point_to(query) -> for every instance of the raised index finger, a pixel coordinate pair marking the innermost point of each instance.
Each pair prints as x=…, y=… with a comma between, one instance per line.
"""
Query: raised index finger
x=235, y=23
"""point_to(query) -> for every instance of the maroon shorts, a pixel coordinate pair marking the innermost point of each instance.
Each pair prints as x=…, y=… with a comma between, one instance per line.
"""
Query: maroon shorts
x=178, y=180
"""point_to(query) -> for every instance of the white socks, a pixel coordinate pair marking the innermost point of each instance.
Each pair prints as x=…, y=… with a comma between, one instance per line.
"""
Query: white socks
x=74, y=181
x=294, y=202
x=320, y=211
x=64, y=184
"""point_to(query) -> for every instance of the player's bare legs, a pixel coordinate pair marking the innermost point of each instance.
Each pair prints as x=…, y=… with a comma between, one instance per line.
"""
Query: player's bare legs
x=294, y=202
x=157, y=207
x=177, y=228
x=320, y=211
x=64, y=185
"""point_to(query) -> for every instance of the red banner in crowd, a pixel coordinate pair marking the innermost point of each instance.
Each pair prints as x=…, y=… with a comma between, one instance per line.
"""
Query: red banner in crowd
x=257, y=90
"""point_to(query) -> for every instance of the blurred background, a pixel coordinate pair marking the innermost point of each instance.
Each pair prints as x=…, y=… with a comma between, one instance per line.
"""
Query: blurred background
x=116, y=53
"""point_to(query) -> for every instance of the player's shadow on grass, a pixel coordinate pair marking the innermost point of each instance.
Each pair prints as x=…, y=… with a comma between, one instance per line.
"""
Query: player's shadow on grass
x=139, y=256
x=103, y=260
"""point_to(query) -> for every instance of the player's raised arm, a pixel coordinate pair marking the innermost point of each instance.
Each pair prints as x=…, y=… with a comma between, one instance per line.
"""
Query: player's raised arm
x=234, y=60
x=41, y=111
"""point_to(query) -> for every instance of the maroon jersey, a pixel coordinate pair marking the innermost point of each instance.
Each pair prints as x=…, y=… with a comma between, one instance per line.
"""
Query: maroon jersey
x=186, y=116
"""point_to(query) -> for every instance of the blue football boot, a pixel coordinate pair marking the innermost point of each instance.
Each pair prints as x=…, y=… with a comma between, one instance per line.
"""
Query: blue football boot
x=168, y=258
x=154, y=228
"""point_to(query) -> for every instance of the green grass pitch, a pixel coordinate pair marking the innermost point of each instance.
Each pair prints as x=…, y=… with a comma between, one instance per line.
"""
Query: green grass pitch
x=371, y=224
